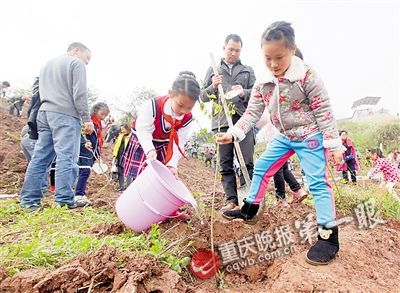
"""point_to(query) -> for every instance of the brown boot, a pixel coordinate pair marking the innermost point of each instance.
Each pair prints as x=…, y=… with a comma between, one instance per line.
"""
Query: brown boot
x=230, y=206
x=299, y=196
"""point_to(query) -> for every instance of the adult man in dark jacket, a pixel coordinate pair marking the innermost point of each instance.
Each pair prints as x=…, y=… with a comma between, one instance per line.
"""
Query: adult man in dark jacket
x=233, y=75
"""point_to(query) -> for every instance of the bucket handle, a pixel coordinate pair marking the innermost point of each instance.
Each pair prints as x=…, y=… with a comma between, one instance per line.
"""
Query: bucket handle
x=153, y=210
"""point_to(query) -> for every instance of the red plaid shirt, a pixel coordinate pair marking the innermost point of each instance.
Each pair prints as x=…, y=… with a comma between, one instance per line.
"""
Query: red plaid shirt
x=389, y=170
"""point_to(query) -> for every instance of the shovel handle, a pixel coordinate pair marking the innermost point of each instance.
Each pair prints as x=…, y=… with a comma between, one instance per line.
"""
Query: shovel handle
x=239, y=154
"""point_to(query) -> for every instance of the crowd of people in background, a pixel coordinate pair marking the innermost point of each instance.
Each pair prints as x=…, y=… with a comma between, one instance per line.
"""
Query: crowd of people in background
x=15, y=100
x=64, y=136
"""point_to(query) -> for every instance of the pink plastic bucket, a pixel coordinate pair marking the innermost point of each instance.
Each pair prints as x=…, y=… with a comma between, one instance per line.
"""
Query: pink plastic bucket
x=152, y=197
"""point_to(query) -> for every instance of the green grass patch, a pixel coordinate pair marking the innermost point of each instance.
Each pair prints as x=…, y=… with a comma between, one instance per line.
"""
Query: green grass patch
x=349, y=196
x=53, y=236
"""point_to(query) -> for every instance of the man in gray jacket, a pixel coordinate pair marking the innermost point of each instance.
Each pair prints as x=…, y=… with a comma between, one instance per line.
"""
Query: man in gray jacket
x=233, y=75
x=63, y=93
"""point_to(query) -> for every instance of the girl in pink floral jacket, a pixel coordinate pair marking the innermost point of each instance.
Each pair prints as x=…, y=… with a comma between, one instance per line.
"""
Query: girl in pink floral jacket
x=301, y=111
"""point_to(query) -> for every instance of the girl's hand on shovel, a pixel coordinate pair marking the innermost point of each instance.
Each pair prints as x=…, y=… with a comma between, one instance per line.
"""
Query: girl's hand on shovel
x=174, y=172
x=223, y=138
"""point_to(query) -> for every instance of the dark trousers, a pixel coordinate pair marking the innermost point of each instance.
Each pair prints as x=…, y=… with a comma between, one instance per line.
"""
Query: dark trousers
x=228, y=175
x=121, y=177
x=53, y=174
x=82, y=181
x=284, y=174
x=208, y=160
x=351, y=167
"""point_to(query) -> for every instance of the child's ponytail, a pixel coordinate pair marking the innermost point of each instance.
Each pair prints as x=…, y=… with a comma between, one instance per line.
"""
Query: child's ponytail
x=376, y=151
x=187, y=84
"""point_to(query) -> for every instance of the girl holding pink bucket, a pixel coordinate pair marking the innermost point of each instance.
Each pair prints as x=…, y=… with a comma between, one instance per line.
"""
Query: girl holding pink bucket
x=160, y=133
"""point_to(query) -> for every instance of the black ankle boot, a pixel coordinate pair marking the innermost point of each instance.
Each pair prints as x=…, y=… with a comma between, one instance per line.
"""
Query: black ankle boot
x=248, y=213
x=326, y=248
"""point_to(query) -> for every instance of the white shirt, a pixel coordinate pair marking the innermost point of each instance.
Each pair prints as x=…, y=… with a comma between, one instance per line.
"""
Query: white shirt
x=145, y=128
x=265, y=124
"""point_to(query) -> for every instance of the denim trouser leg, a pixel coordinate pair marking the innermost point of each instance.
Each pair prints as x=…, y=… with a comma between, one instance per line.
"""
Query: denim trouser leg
x=59, y=135
x=66, y=137
x=45, y=182
x=25, y=152
x=43, y=155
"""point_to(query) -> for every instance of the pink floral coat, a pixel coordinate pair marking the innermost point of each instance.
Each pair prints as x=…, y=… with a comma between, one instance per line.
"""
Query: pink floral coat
x=298, y=103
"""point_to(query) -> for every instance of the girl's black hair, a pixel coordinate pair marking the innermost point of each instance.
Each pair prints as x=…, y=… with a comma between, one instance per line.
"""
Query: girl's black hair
x=299, y=54
x=376, y=151
x=342, y=131
x=277, y=31
x=125, y=126
x=187, y=84
x=99, y=105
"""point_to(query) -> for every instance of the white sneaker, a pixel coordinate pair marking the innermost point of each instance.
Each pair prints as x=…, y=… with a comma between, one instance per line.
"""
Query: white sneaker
x=82, y=200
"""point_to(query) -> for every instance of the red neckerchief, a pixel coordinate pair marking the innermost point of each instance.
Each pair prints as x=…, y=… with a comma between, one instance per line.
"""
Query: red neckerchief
x=97, y=123
x=173, y=136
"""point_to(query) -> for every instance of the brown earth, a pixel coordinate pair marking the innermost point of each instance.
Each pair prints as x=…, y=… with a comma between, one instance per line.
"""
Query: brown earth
x=103, y=271
x=367, y=262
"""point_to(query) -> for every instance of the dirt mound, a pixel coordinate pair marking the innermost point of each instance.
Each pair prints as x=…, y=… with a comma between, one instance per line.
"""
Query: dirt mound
x=367, y=261
x=104, y=229
x=106, y=270
x=12, y=162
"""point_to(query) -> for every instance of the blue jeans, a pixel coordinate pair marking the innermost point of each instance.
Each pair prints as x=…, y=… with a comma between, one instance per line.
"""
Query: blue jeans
x=313, y=160
x=59, y=135
x=27, y=148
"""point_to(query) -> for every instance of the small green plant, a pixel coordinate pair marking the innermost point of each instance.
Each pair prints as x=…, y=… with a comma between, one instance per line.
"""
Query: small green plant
x=221, y=280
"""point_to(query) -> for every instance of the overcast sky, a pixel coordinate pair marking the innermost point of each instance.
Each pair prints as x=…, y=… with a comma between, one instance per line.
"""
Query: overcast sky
x=354, y=45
